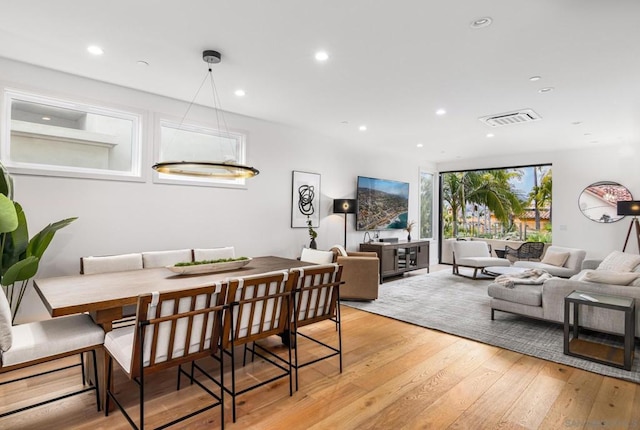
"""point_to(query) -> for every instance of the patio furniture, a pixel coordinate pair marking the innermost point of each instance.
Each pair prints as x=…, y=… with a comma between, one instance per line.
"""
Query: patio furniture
x=526, y=251
x=474, y=254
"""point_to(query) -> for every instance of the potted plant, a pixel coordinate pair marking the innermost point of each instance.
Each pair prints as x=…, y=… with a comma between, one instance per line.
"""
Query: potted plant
x=312, y=235
x=20, y=255
x=409, y=227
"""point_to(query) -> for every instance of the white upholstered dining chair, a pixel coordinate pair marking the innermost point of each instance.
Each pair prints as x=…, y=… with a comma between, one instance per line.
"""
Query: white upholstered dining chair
x=200, y=254
x=39, y=342
x=152, y=259
x=316, y=256
x=113, y=263
x=172, y=329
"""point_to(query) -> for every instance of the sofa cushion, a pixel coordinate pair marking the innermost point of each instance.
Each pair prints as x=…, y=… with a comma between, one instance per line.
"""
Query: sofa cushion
x=555, y=258
x=524, y=294
x=609, y=277
x=619, y=262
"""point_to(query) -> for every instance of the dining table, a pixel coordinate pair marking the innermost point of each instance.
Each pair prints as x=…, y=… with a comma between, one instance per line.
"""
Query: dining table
x=104, y=295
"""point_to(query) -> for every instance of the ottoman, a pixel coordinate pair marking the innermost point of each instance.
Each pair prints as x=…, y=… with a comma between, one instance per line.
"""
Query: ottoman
x=522, y=299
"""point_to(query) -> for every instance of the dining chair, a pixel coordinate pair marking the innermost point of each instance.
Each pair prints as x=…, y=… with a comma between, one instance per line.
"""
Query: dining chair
x=114, y=263
x=110, y=263
x=259, y=307
x=316, y=256
x=27, y=345
x=316, y=298
x=200, y=254
x=172, y=329
x=152, y=259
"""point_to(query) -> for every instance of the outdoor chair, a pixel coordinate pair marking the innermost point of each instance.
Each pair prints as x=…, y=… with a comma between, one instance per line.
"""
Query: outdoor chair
x=474, y=254
x=39, y=342
x=527, y=251
x=172, y=329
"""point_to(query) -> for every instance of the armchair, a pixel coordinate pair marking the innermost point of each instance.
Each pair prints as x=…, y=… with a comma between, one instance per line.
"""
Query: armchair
x=360, y=273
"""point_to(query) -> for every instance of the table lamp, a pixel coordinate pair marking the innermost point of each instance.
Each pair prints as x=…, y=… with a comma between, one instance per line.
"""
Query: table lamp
x=630, y=207
x=344, y=206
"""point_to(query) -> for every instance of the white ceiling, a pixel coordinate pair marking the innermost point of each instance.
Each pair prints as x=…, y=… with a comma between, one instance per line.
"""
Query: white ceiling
x=392, y=64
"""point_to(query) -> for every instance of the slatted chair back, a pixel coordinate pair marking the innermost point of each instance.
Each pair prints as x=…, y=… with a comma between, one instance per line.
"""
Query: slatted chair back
x=172, y=329
x=259, y=307
x=316, y=293
x=316, y=298
x=176, y=327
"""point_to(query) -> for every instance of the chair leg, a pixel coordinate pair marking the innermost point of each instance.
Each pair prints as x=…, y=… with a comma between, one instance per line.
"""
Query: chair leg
x=95, y=378
x=84, y=378
x=142, y=401
x=108, y=384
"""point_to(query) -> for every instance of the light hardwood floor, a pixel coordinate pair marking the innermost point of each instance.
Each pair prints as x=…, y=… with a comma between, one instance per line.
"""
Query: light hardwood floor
x=396, y=376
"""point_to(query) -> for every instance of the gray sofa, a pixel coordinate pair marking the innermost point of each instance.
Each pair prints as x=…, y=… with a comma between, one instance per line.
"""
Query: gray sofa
x=546, y=301
x=571, y=266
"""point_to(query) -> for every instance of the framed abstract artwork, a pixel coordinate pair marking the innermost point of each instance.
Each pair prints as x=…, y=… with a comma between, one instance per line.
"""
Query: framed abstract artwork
x=305, y=199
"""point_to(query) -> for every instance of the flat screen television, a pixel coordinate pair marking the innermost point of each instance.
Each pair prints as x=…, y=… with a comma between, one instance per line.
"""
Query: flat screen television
x=382, y=204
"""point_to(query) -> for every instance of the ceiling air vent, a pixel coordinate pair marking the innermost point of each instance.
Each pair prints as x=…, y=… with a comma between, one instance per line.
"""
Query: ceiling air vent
x=508, y=118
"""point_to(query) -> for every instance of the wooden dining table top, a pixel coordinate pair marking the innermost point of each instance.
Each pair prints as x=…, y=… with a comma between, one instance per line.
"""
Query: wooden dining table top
x=66, y=295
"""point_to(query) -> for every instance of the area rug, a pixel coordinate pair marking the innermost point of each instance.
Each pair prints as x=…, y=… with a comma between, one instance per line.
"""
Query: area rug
x=460, y=306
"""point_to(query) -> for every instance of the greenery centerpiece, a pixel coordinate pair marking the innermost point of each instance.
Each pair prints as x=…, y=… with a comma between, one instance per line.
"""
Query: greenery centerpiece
x=219, y=260
x=20, y=255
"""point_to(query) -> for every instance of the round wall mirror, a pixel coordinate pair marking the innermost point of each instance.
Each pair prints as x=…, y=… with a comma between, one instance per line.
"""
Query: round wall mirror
x=598, y=201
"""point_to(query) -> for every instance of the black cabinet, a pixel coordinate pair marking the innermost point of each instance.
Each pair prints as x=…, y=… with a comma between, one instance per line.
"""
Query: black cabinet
x=399, y=257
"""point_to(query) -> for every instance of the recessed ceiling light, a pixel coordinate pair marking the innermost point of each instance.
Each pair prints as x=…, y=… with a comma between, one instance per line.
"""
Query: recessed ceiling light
x=240, y=93
x=322, y=56
x=587, y=134
x=344, y=122
x=419, y=145
x=441, y=112
x=142, y=63
x=576, y=122
x=545, y=90
x=95, y=50
x=362, y=128
x=490, y=134
x=481, y=22
x=46, y=118
x=535, y=78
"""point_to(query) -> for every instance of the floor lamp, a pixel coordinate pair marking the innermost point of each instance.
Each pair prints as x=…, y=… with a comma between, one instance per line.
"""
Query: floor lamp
x=630, y=207
x=344, y=206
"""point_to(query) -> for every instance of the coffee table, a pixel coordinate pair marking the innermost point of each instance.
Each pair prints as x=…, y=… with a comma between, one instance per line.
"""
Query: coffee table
x=503, y=270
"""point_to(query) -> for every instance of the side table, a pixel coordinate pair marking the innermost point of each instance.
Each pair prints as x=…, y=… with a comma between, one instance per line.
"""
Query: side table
x=594, y=351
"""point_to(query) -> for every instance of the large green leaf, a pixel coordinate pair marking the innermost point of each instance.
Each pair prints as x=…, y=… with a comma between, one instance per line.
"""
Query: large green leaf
x=39, y=243
x=21, y=271
x=6, y=182
x=8, y=217
x=15, y=242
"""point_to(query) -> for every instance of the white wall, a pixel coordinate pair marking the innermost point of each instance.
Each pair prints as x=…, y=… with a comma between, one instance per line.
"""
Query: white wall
x=117, y=217
x=572, y=172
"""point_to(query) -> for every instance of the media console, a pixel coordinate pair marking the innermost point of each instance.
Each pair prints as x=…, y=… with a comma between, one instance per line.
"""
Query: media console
x=399, y=257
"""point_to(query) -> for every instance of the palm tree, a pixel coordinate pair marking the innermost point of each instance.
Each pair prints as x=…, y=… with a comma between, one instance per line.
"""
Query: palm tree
x=489, y=188
x=540, y=195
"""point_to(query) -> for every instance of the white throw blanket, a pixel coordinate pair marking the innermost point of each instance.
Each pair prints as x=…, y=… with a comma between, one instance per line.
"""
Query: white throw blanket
x=530, y=276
